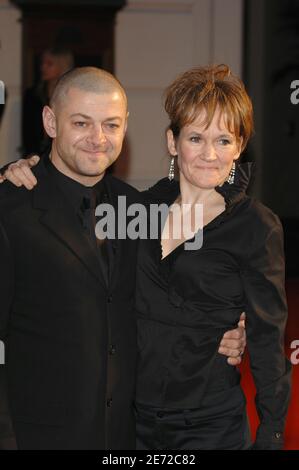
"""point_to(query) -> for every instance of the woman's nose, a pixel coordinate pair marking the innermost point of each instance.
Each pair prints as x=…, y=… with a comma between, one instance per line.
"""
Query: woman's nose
x=208, y=152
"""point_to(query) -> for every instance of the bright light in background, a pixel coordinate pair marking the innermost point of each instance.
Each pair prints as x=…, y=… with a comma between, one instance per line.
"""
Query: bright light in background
x=2, y=92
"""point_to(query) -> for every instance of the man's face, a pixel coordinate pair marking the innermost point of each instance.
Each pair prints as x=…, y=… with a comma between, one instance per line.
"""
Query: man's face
x=88, y=133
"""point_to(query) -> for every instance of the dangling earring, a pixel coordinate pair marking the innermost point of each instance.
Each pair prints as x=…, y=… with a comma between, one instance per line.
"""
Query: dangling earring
x=231, y=176
x=171, y=170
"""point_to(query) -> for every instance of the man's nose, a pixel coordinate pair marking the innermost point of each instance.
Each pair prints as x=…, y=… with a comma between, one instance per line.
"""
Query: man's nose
x=97, y=136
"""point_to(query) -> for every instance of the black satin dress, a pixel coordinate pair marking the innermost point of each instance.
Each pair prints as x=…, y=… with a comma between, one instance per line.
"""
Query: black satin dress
x=188, y=397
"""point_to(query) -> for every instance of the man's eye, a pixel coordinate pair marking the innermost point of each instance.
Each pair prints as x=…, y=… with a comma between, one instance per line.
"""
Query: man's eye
x=112, y=125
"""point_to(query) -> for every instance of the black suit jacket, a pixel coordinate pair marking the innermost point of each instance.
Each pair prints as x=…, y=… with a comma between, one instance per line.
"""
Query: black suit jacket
x=70, y=339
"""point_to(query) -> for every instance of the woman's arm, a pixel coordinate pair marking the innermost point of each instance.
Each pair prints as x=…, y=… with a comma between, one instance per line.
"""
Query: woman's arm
x=266, y=310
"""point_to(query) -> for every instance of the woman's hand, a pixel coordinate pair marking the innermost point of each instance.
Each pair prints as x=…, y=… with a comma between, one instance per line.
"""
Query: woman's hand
x=233, y=343
x=19, y=173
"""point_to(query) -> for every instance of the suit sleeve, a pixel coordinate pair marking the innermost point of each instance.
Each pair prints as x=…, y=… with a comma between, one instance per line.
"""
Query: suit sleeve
x=266, y=308
x=7, y=440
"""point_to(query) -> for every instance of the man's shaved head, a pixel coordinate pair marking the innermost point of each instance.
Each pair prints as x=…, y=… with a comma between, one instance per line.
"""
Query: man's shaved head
x=87, y=120
x=89, y=79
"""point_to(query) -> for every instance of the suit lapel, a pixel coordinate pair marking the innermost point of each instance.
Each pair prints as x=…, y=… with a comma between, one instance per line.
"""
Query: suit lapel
x=114, y=244
x=59, y=218
x=64, y=226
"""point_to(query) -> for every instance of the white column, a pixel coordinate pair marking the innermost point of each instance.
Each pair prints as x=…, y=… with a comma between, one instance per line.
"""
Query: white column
x=151, y=40
x=156, y=40
x=227, y=24
x=10, y=74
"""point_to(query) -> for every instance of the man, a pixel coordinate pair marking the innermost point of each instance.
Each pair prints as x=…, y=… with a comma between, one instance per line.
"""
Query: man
x=67, y=314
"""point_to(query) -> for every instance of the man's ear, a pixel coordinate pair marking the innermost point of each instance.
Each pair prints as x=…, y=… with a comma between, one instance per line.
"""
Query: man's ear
x=49, y=121
x=171, y=143
x=126, y=122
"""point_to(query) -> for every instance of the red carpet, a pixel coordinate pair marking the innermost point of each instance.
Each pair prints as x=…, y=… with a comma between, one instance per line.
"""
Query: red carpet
x=292, y=333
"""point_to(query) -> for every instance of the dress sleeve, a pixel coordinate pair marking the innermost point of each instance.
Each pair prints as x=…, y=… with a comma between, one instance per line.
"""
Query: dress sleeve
x=263, y=278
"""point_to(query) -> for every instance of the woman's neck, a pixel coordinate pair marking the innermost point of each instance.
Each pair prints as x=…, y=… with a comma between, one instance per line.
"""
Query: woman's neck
x=190, y=194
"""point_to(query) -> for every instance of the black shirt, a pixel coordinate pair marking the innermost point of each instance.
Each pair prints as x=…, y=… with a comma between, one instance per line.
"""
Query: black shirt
x=73, y=190
x=188, y=300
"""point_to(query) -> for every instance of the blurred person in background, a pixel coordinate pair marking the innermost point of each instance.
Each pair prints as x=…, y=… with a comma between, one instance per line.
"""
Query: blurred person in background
x=54, y=63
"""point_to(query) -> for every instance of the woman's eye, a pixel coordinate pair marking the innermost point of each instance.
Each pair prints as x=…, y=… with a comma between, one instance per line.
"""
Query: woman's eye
x=224, y=141
x=195, y=139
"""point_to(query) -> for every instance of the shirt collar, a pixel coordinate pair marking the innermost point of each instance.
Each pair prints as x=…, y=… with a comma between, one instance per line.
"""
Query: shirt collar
x=234, y=192
x=73, y=190
x=167, y=191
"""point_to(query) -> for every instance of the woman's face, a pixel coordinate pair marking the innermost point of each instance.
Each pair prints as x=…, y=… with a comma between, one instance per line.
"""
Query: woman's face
x=205, y=156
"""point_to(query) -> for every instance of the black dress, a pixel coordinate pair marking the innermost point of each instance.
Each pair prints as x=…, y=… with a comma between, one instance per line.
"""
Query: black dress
x=188, y=397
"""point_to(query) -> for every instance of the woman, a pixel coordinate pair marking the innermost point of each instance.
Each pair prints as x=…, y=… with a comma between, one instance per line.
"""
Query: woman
x=187, y=395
